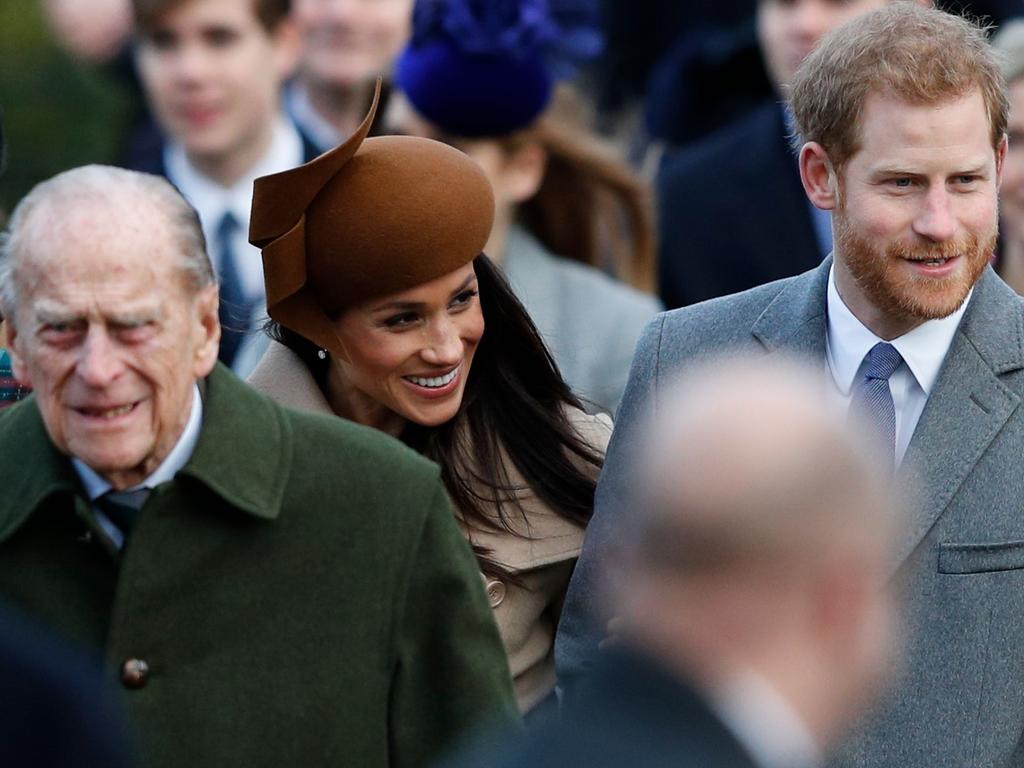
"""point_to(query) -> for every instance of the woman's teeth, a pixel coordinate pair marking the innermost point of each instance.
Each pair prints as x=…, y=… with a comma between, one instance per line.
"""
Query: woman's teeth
x=435, y=382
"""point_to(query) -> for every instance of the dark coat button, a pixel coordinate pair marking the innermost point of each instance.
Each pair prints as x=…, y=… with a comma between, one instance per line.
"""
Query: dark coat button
x=134, y=673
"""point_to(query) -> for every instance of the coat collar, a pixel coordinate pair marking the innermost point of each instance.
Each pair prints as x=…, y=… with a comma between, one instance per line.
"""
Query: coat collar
x=284, y=378
x=969, y=400
x=796, y=319
x=243, y=455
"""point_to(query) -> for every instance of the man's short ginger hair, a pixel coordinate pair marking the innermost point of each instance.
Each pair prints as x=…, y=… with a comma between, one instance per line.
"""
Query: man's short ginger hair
x=921, y=55
x=147, y=13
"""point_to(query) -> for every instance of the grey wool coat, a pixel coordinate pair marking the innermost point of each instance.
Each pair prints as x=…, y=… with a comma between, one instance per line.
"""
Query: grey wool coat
x=960, y=698
x=300, y=591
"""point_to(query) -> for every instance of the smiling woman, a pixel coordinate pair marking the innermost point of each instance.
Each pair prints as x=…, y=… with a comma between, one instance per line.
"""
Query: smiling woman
x=387, y=313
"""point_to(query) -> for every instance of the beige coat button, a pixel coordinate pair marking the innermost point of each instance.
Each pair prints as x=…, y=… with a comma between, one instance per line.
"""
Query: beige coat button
x=495, y=592
x=134, y=673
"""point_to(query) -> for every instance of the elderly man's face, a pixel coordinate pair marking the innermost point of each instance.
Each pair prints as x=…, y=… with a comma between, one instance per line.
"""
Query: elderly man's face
x=109, y=334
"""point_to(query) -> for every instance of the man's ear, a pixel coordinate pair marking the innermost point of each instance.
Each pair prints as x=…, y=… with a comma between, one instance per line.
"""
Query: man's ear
x=1001, y=159
x=205, y=331
x=12, y=342
x=819, y=178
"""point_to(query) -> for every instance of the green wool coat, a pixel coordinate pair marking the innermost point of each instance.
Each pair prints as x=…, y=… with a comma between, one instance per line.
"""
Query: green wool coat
x=300, y=592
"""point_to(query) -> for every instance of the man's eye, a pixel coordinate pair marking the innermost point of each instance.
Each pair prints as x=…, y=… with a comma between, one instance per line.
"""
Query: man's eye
x=162, y=40
x=902, y=182
x=60, y=331
x=221, y=37
x=134, y=331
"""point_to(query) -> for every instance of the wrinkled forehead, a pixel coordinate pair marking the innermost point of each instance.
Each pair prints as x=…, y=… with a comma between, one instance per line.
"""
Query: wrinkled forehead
x=74, y=237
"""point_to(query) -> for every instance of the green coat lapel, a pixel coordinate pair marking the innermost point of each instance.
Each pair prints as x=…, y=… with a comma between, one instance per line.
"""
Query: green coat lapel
x=39, y=472
x=252, y=479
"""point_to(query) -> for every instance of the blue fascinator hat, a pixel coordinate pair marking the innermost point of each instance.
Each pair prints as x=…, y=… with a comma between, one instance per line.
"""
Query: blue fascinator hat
x=487, y=67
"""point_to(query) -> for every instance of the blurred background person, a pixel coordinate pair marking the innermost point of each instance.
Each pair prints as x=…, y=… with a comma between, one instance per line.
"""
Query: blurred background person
x=755, y=617
x=213, y=71
x=732, y=211
x=1010, y=258
x=11, y=390
x=346, y=44
x=388, y=315
x=573, y=227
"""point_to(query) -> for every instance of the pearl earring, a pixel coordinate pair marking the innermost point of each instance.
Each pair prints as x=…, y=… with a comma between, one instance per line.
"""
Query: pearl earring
x=322, y=354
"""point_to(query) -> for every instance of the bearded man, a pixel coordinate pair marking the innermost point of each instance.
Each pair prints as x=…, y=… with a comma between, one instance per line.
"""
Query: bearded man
x=902, y=118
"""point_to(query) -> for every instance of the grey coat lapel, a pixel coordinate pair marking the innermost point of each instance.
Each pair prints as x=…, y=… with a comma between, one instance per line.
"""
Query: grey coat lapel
x=968, y=405
x=796, y=320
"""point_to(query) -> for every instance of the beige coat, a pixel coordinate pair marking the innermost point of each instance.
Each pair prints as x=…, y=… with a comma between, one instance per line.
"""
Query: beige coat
x=542, y=557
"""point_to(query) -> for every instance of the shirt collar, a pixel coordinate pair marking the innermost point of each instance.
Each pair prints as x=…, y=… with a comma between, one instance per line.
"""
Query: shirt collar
x=923, y=349
x=211, y=199
x=764, y=722
x=95, y=486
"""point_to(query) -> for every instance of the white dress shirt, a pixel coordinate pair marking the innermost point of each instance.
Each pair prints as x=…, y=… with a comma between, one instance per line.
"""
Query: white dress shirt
x=923, y=349
x=95, y=486
x=212, y=201
x=764, y=723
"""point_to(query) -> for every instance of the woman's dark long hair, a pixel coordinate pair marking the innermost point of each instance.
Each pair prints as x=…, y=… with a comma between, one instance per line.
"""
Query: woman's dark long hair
x=515, y=404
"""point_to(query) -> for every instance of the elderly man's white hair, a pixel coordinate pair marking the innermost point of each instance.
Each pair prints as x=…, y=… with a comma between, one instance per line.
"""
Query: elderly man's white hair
x=128, y=193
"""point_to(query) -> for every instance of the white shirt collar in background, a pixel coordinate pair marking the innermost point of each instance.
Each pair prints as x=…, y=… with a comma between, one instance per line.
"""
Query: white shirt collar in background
x=764, y=723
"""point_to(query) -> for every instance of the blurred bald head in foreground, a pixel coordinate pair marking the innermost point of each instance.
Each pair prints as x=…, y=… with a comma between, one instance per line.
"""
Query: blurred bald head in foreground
x=754, y=612
x=760, y=554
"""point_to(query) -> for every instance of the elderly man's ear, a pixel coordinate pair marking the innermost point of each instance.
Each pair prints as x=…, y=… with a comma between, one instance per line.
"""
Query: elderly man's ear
x=206, y=330
x=819, y=177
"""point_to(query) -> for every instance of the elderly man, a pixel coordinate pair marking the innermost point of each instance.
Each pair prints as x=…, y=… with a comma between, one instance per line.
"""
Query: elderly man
x=903, y=114
x=270, y=588
x=753, y=604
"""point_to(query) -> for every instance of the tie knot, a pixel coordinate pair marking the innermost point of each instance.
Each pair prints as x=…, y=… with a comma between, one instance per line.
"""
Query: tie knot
x=122, y=507
x=883, y=359
x=228, y=225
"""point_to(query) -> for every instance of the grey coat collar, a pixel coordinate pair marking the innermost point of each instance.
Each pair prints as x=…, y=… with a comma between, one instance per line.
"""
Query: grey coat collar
x=796, y=319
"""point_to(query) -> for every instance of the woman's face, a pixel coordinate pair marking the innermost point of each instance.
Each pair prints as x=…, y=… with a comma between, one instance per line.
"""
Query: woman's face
x=1012, y=190
x=410, y=353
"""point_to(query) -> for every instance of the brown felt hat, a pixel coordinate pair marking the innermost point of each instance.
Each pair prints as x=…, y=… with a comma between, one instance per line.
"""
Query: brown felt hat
x=367, y=219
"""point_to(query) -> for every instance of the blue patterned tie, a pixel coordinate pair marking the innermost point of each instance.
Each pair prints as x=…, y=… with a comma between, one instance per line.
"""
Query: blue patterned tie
x=872, y=397
x=235, y=309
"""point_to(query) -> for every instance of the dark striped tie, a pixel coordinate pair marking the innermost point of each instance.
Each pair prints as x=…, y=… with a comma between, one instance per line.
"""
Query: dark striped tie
x=122, y=507
x=235, y=307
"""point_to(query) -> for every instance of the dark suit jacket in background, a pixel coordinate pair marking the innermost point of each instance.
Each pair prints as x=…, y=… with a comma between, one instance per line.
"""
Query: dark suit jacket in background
x=630, y=713
x=732, y=213
x=959, y=701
